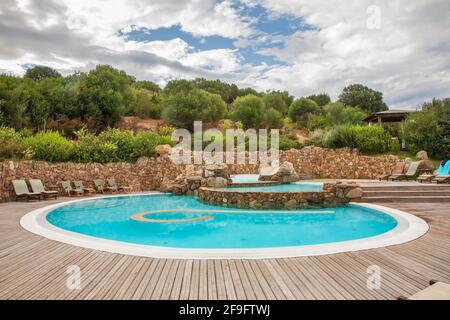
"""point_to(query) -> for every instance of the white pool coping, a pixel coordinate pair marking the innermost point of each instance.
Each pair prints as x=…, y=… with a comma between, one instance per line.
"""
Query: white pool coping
x=409, y=227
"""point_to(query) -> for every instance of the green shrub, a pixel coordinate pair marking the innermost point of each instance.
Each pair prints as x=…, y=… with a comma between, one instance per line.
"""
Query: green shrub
x=340, y=137
x=25, y=133
x=395, y=145
x=250, y=111
x=11, y=145
x=146, y=143
x=316, y=138
x=182, y=109
x=90, y=148
x=318, y=122
x=50, y=146
x=147, y=105
x=274, y=119
x=124, y=140
x=368, y=139
x=166, y=140
x=302, y=109
x=106, y=152
x=226, y=124
x=423, y=131
x=287, y=143
x=372, y=139
x=166, y=130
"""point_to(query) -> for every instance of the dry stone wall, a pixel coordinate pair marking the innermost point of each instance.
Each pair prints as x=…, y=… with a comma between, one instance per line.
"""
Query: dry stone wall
x=152, y=173
x=333, y=194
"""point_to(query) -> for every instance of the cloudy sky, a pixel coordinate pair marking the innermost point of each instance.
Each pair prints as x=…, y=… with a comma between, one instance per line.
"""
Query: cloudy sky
x=400, y=47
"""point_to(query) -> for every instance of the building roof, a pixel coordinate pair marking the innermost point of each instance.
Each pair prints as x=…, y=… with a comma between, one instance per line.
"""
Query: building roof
x=389, y=116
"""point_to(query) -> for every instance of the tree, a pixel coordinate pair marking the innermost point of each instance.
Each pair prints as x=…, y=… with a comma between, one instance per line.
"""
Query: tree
x=182, y=109
x=302, y=109
x=339, y=114
x=276, y=101
x=441, y=108
x=274, y=119
x=352, y=115
x=368, y=100
x=423, y=131
x=176, y=86
x=248, y=91
x=249, y=110
x=146, y=105
x=39, y=73
x=321, y=99
x=14, y=99
x=147, y=85
x=106, y=93
x=226, y=91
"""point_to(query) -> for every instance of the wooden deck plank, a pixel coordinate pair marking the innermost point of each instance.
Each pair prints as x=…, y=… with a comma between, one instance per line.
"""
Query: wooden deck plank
x=194, y=285
x=246, y=285
x=203, y=284
x=238, y=285
x=212, y=288
x=184, y=294
x=132, y=273
x=32, y=267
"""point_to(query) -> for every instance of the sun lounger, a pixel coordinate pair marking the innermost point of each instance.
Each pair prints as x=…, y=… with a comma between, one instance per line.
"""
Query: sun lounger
x=38, y=187
x=101, y=188
x=21, y=190
x=398, y=169
x=69, y=190
x=113, y=186
x=426, y=177
x=436, y=291
x=411, y=173
x=441, y=179
x=79, y=185
x=443, y=173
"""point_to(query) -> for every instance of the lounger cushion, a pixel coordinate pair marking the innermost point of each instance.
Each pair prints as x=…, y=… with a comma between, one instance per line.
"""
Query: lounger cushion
x=438, y=291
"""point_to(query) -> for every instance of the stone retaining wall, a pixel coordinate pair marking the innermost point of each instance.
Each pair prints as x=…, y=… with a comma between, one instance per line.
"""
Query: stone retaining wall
x=334, y=194
x=331, y=163
x=152, y=173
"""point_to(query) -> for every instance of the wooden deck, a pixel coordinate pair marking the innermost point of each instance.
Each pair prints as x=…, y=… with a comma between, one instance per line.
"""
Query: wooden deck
x=32, y=267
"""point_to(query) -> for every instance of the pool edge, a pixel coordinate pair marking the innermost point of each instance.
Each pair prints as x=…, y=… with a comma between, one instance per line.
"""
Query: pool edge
x=409, y=228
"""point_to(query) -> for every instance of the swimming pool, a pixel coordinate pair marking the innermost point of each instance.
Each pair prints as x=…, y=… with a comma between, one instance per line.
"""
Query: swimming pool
x=245, y=178
x=253, y=179
x=291, y=187
x=164, y=225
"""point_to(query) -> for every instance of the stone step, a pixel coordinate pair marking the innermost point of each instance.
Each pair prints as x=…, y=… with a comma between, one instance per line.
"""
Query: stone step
x=413, y=199
x=406, y=193
x=437, y=187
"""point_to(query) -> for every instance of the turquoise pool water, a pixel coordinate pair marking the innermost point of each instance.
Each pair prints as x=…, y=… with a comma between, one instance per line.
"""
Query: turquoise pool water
x=111, y=218
x=245, y=178
x=292, y=187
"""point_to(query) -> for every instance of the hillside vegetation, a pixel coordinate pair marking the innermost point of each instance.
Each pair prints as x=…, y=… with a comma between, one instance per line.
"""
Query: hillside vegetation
x=44, y=110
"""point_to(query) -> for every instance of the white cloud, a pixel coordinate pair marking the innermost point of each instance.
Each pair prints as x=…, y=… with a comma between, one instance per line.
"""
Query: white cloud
x=406, y=59
x=219, y=60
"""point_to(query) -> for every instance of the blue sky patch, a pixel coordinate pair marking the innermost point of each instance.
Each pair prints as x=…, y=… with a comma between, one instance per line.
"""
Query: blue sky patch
x=174, y=32
x=272, y=28
x=273, y=25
